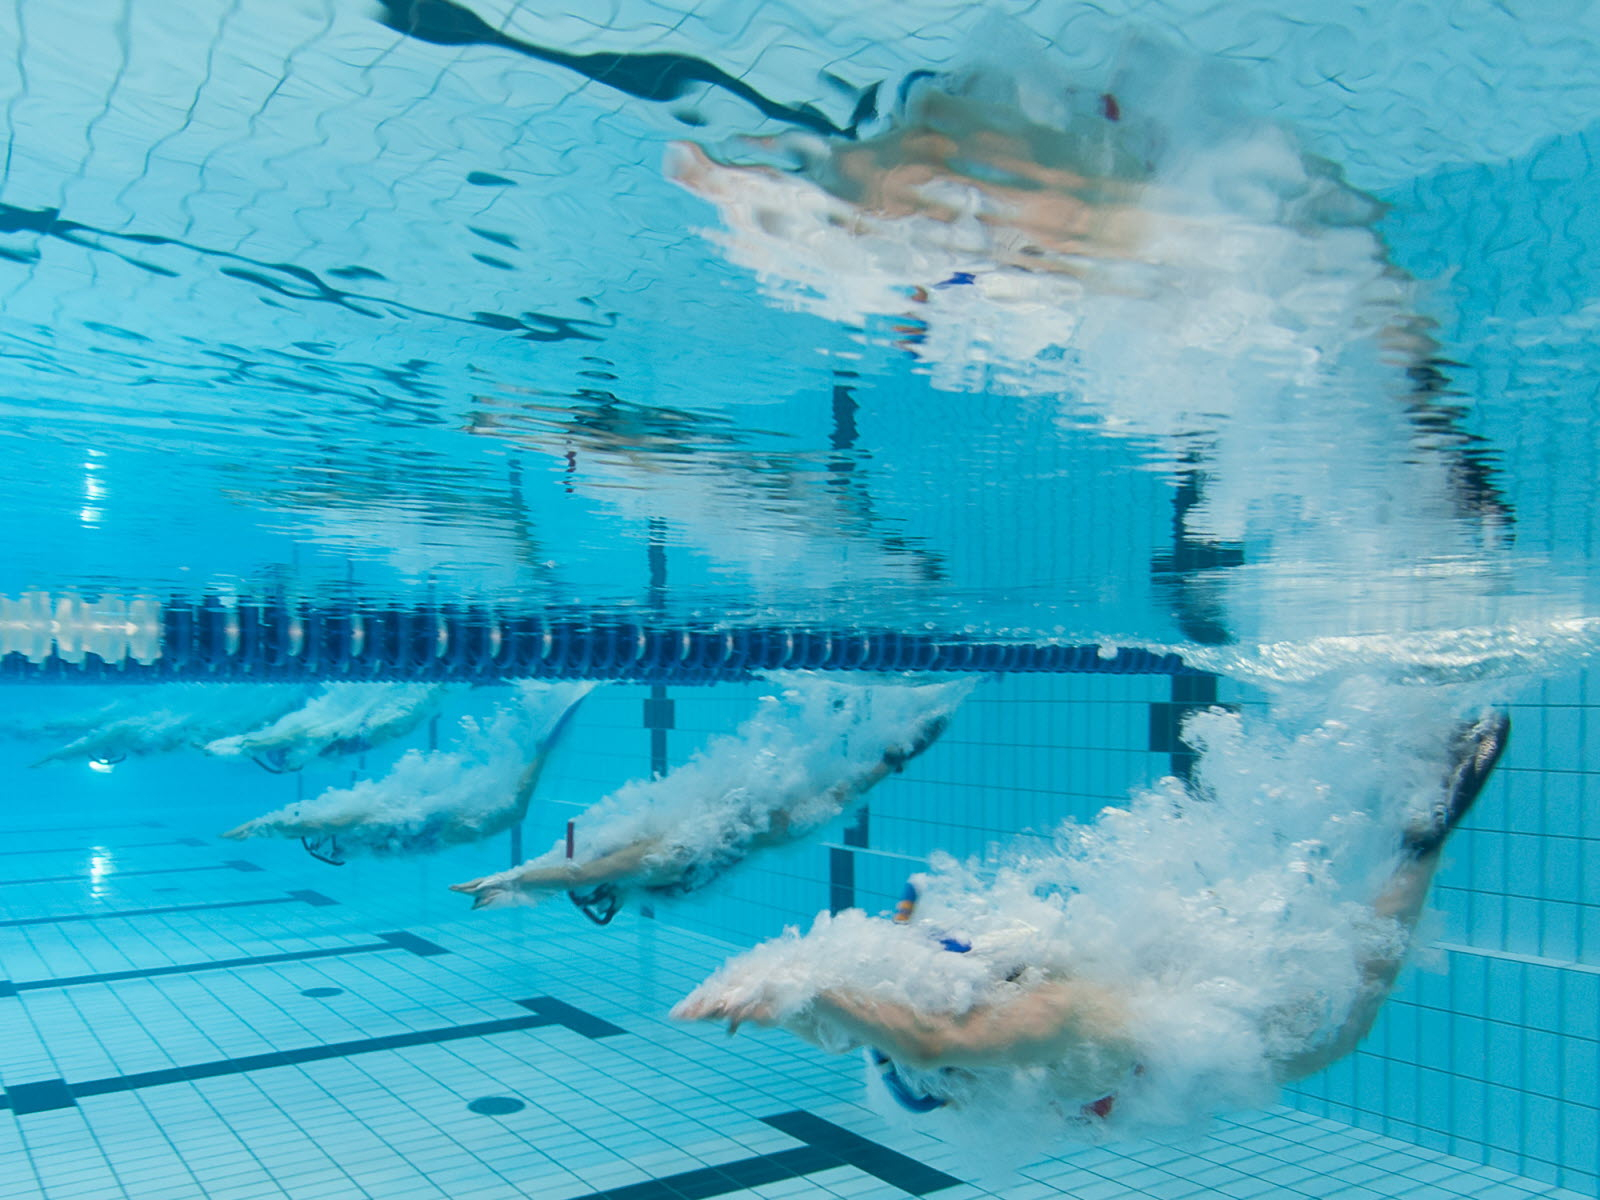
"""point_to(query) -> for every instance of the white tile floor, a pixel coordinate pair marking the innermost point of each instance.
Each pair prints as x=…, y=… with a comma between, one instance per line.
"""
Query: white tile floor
x=392, y=1124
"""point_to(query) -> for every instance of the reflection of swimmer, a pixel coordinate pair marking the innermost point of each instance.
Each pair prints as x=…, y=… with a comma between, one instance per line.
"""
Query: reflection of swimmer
x=1176, y=270
x=169, y=717
x=1024, y=230
x=785, y=516
x=444, y=798
x=793, y=767
x=1097, y=1052
x=344, y=718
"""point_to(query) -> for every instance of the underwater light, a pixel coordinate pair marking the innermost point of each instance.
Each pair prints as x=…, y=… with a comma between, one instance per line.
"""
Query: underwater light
x=102, y=765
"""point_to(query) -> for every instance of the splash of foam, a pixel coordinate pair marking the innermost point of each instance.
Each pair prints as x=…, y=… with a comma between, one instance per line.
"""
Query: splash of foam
x=1233, y=919
x=794, y=759
x=440, y=798
x=1517, y=650
x=343, y=718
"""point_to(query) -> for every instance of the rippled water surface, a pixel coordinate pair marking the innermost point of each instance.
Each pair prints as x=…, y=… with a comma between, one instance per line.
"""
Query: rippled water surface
x=1030, y=320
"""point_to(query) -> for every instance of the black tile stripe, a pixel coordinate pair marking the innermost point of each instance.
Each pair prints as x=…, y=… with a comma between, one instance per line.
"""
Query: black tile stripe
x=315, y=899
x=730, y=1177
x=386, y=941
x=659, y=711
x=826, y=1145
x=841, y=879
x=187, y=841
x=237, y=864
x=47, y=1094
x=419, y=946
x=891, y=1166
x=80, y=828
x=560, y=1013
x=1190, y=693
x=842, y=863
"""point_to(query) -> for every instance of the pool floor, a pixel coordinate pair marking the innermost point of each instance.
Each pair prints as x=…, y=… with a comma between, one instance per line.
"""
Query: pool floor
x=201, y=1022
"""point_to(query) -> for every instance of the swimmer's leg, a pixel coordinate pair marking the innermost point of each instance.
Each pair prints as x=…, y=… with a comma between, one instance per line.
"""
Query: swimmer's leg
x=930, y=732
x=894, y=760
x=528, y=783
x=1477, y=748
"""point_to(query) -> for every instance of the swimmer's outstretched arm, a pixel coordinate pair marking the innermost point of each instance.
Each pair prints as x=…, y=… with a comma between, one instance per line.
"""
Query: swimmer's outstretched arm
x=1046, y=1023
x=550, y=874
x=1042, y=1024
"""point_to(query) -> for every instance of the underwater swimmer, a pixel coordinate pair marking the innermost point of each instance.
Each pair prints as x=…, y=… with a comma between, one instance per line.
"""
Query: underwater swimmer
x=166, y=717
x=343, y=718
x=430, y=802
x=1076, y=1043
x=795, y=766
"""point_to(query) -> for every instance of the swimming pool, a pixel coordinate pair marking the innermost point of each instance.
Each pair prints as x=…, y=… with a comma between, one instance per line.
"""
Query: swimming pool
x=1208, y=386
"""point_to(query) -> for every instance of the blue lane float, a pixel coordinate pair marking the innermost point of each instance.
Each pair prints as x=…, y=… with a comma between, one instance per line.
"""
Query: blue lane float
x=273, y=641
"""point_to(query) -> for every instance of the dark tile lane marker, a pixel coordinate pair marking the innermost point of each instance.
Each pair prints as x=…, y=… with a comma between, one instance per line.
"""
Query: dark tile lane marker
x=47, y=1094
x=892, y=1167
x=235, y=864
x=315, y=899
x=187, y=841
x=386, y=941
x=81, y=828
x=826, y=1145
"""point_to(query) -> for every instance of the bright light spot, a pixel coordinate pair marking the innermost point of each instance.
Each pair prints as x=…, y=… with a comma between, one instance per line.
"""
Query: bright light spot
x=100, y=865
x=104, y=766
x=90, y=515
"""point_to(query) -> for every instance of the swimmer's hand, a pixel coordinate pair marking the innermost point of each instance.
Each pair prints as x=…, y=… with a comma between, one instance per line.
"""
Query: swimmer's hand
x=487, y=891
x=735, y=1006
x=520, y=885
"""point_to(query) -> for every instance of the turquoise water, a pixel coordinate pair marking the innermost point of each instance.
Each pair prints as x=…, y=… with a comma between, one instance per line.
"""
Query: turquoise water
x=1243, y=350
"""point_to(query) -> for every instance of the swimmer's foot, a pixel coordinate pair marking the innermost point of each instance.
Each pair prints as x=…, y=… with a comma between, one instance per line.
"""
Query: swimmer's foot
x=275, y=759
x=1476, y=750
x=324, y=849
x=896, y=758
x=599, y=904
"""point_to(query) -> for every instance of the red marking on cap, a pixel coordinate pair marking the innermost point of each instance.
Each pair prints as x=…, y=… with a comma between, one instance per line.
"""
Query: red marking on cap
x=1109, y=108
x=1100, y=1108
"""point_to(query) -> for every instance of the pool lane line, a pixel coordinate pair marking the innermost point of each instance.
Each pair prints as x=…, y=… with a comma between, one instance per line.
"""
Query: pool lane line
x=188, y=841
x=46, y=1095
x=826, y=1146
x=233, y=864
x=386, y=941
x=80, y=828
x=315, y=899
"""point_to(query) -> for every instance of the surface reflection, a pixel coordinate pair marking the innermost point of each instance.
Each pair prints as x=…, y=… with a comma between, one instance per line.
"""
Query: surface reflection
x=1165, y=266
x=784, y=522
